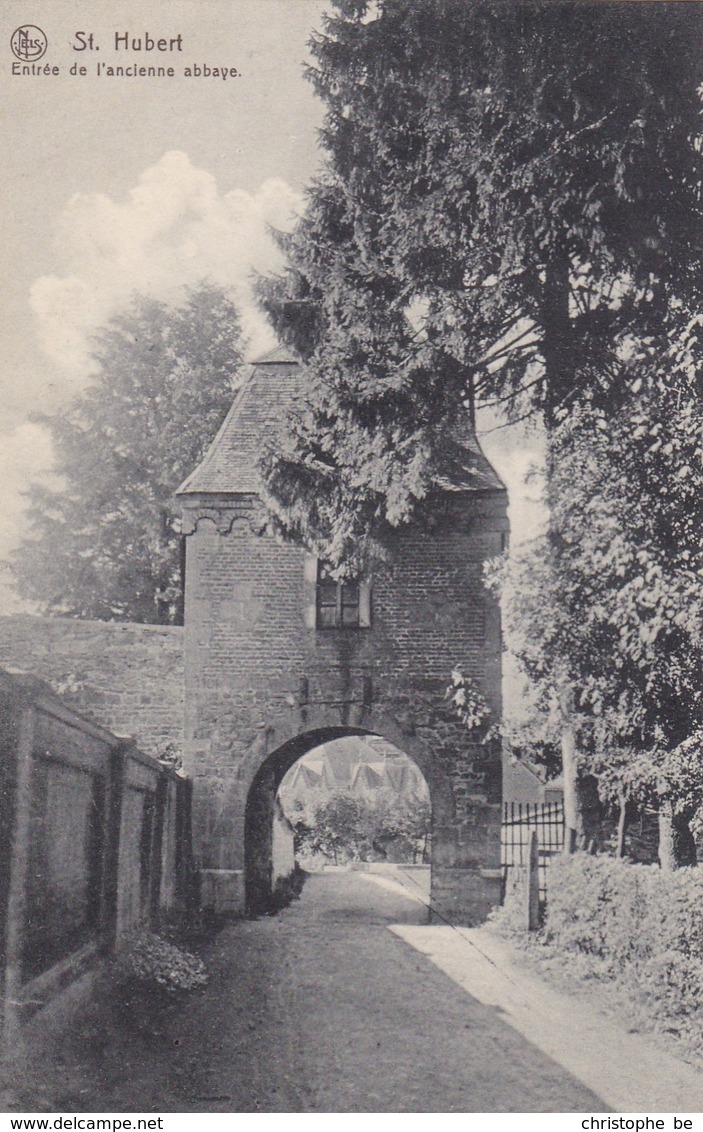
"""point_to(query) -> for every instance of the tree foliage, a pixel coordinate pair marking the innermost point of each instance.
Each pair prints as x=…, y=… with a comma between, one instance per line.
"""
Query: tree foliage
x=106, y=543
x=350, y=826
x=470, y=707
x=610, y=604
x=510, y=196
x=510, y=214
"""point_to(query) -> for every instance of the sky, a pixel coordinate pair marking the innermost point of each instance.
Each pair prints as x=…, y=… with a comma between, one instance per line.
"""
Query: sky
x=114, y=185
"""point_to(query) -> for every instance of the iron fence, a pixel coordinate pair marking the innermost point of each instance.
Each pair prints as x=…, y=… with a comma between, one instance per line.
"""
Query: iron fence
x=519, y=819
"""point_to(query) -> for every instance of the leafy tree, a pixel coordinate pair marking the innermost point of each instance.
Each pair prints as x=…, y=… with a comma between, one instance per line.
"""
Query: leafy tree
x=106, y=544
x=611, y=605
x=334, y=831
x=358, y=827
x=511, y=195
x=394, y=828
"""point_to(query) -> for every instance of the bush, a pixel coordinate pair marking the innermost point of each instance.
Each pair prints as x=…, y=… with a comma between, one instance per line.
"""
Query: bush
x=153, y=962
x=644, y=926
x=287, y=889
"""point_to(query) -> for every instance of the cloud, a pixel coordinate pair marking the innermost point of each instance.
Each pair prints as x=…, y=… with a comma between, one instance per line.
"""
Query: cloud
x=173, y=229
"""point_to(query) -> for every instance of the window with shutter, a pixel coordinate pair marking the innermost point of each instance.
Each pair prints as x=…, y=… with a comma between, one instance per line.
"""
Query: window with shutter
x=341, y=605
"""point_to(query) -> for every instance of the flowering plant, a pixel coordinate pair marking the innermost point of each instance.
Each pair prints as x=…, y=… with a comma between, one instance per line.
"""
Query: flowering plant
x=151, y=959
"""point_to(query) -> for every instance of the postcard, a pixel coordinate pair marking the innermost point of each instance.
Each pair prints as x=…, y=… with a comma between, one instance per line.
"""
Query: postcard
x=350, y=750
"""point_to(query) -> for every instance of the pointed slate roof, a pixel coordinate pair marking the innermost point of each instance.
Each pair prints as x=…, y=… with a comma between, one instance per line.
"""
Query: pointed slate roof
x=302, y=773
x=366, y=777
x=465, y=467
x=269, y=391
x=260, y=407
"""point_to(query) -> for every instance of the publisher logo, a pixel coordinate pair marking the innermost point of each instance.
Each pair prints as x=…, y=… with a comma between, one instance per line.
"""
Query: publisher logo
x=28, y=43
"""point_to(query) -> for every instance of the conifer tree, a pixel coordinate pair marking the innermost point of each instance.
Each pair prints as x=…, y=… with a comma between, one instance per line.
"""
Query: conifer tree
x=508, y=214
x=510, y=196
x=508, y=211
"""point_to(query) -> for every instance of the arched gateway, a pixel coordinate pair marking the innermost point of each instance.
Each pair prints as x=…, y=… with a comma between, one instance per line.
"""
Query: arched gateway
x=280, y=658
x=259, y=814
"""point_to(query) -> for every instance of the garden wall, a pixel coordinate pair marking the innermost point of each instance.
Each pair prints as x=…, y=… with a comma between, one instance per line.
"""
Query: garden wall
x=94, y=842
x=127, y=677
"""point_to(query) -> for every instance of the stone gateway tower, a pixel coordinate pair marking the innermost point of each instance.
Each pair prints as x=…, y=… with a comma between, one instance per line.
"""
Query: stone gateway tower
x=280, y=658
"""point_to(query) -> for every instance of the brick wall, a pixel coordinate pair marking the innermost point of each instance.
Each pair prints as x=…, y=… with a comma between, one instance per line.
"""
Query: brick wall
x=247, y=601
x=127, y=677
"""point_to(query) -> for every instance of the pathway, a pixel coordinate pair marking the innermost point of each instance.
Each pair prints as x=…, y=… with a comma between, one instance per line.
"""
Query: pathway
x=344, y=1002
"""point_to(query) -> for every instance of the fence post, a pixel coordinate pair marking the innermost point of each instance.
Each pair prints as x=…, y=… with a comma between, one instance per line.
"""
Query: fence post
x=112, y=845
x=19, y=871
x=187, y=897
x=160, y=800
x=532, y=883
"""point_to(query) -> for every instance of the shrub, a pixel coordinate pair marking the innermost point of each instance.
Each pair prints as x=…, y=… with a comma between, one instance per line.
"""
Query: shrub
x=643, y=925
x=154, y=962
x=287, y=889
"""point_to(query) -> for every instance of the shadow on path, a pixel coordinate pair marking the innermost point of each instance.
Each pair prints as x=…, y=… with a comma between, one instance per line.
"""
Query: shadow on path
x=321, y=1008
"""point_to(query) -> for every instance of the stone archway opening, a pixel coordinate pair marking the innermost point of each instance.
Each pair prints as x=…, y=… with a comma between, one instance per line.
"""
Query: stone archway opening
x=339, y=798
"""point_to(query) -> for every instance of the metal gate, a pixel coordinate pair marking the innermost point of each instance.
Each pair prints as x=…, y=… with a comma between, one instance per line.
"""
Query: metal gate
x=519, y=818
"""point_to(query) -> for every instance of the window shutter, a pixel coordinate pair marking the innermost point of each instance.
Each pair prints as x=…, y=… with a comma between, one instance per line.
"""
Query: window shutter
x=310, y=591
x=364, y=605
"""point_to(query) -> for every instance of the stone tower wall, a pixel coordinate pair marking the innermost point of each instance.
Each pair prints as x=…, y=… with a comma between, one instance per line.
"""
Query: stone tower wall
x=262, y=682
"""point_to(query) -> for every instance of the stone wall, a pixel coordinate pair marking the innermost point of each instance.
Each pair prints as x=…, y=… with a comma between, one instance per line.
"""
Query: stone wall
x=95, y=843
x=127, y=677
x=282, y=846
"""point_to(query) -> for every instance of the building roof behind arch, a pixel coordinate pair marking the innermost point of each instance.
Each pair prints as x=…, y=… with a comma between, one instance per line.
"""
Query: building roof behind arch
x=269, y=391
x=360, y=764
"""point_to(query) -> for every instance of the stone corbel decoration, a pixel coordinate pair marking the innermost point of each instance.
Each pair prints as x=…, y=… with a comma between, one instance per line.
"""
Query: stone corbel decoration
x=236, y=517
